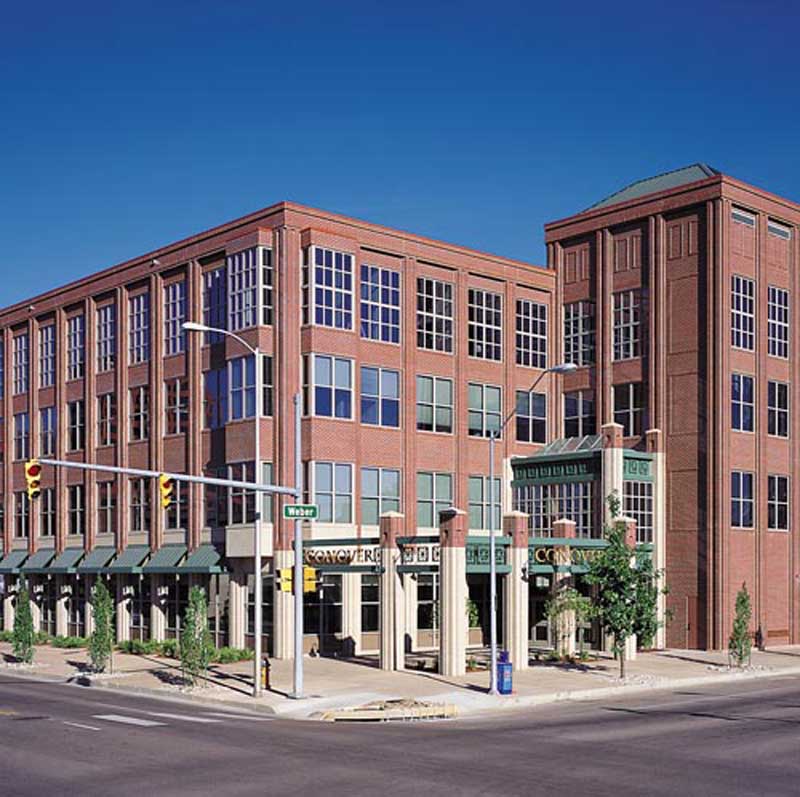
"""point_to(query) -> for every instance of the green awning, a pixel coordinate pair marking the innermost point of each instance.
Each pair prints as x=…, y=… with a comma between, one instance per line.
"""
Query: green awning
x=204, y=560
x=66, y=561
x=39, y=561
x=165, y=560
x=12, y=561
x=130, y=560
x=96, y=560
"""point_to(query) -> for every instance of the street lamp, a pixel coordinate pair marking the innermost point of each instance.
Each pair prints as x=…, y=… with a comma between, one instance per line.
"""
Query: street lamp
x=561, y=368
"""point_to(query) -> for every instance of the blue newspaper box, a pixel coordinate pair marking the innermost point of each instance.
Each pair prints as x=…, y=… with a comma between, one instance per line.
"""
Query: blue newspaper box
x=504, y=677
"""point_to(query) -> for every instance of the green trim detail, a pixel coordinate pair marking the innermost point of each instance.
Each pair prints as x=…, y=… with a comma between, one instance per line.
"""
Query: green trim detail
x=342, y=542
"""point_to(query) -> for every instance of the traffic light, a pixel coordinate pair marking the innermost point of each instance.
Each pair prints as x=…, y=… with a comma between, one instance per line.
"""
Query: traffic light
x=166, y=484
x=285, y=578
x=309, y=579
x=33, y=475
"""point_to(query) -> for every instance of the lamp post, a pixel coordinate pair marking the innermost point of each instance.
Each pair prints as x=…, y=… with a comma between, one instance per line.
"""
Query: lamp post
x=561, y=368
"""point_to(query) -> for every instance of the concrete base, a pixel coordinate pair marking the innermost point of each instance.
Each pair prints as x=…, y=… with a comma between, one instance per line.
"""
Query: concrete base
x=516, y=630
x=453, y=603
x=237, y=608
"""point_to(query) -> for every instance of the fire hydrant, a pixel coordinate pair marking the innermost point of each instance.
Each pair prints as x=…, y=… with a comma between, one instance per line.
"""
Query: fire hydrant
x=265, y=673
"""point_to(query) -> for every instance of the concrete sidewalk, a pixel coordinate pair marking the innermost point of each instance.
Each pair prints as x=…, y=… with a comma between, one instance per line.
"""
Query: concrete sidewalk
x=334, y=684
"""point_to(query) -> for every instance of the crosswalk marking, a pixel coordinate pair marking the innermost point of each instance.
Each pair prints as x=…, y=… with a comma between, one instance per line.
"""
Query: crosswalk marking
x=81, y=725
x=183, y=717
x=127, y=720
x=247, y=717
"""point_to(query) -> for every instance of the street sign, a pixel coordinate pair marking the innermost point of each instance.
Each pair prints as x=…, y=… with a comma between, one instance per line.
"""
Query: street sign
x=300, y=512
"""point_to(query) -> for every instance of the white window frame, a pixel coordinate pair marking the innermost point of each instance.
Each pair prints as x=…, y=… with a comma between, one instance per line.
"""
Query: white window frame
x=637, y=502
x=778, y=322
x=742, y=404
x=579, y=333
x=480, y=503
x=582, y=397
x=336, y=297
x=779, y=230
x=20, y=364
x=76, y=346
x=106, y=337
x=107, y=419
x=47, y=512
x=22, y=509
x=22, y=436
x=436, y=499
x=243, y=279
x=174, y=316
x=107, y=507
x=531, y=333
x=76, y=425
x=335, y=492
x=215, y=302
x=435, y=315
x=139, y=328
x=526, y=412
x=140, y=500
x=491, y=419
x=311, y=386
x=741, y=500
x=176, y=406
x=434, y=405
x=743, y=313
x=484, y=325
x=383, y=499
x=76, y=510
x=631, y=412
x=627, y=324
x=381, y=396
x=380, y=304
x=48, y=431
x=139, y=402
x=47, y=355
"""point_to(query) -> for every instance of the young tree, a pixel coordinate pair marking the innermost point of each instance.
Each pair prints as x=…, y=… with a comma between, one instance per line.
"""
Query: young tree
x=101, y=642
x=195, y=647
x=23, y=636
x=565, y=601
x=739, y=643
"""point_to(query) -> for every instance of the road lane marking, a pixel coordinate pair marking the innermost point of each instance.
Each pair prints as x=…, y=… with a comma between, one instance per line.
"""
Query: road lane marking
x=81, y=725
x=247, y=717
x=127, y=720
x=183, y=717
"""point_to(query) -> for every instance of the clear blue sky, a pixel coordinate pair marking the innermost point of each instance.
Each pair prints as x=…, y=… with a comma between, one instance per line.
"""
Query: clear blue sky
x=127, y=126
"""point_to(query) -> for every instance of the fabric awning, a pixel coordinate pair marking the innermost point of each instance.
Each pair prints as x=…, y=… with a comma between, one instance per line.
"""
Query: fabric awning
x=165, y=560
x=130, y=560
x=203, y=560
x=97, y=560
x=12, y=561
x=66, y=561
x=37, y=563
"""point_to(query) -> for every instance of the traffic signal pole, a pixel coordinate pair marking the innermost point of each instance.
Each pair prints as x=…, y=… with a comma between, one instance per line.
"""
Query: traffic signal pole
x=298, y=556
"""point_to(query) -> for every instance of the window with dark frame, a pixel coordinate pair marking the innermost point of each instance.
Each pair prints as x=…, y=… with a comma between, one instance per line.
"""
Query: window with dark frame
x=76, y=425
x=629, y=408
x=579, y=333
x=580, y=416
x=742, y=403
x=531, y=417
x=106, y=507
x=140, y=413
x=107, y=419
x=380, y=396
x=777, y=409
x=434, y=404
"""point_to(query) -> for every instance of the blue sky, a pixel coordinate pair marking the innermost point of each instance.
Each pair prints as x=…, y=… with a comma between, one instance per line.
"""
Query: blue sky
x=474, y=123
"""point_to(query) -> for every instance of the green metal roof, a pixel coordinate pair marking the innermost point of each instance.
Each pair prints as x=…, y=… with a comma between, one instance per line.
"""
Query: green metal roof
x=96, y=560
x=165, y=560
x=130, y=560
x=12, y=561
x=571, y=445
x=39, y=561
x=204, y=560
x=66, y=561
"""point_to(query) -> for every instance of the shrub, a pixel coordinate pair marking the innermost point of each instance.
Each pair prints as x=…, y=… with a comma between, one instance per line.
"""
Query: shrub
x=69, y=642
x=230, y=655
x=170, y=648
x=195, y=637
x=23, y=636
x=101, y=642
x=740, y=642
x=6, y=636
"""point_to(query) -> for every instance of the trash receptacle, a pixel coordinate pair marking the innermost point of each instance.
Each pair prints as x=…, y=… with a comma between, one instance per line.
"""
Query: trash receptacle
x=504, y=677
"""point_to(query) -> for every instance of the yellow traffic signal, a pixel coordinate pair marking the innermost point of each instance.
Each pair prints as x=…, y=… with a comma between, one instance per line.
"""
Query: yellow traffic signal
x=285, y=578
x=166, y=484
x=33, y=475
x=309, y=579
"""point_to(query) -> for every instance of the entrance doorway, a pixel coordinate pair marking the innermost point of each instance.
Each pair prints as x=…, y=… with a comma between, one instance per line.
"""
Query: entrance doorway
x=480, y=607
x=322, y=618
x=539, y=593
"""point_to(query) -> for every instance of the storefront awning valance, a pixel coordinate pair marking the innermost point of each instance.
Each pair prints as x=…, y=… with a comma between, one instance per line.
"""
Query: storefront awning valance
x=38, y=562
x=165, y=560
x=130, y=560
x=97, y=560
x=12, y=561
x=66, y=561
x=204, y=560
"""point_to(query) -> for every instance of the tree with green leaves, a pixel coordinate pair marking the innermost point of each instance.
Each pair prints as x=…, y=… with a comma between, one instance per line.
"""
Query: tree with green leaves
x=565, y=601
x=740, y=642
x=23, y=635
x=101, y=642
x=195, y=647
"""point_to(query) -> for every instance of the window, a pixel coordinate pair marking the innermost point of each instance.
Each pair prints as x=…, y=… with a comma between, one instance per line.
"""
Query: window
x=638, y=505
x=267, y=475
x=627, y=325
x=140, y=505
x=778, y=502
x=215, y=398
x=174, y=316
x=21, y=509
x=479, y=499
x=139, y=328
x=21, y=436
x=215, y=302
x=242, y=286
x=328, y=288
x=107, y=419
x=380, y=493
x=485, y=409
x=47, y=355
x=742, y=500
x=106, y=337
x=380, y=396
x=176, y=515
x=428, y=601
x=531, y=417
x=76, y=510
x=742, y=403
x=47, y=512
x=327, y=386
x=106, y=507
x=743, y=313
x=267, y=302
x=629, y=408
x=434, y=404
x=47, y=431
x=434, y=494
x=242, y=380
x=778, y=322
x=743, y=217
x=76, y=425
x=778, y=409
x=176, y=405
x=779, y=230
x=546, y=503
x=267, y=408
x=370, y=603
x=579, y=414
x=241, y=503
x=333, y=491
x=140, y=413
x=531, y=334
x=485, y=325
x=579, y=333
x=20, y=364
x=380, y=304
x=434, y=315
x=76, y=341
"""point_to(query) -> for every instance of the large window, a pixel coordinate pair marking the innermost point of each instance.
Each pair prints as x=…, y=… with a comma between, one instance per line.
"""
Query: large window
x=22, y=507
x=20, y=364
x=579, y=333
x=176, y=405
x=328, y=288
x=479, y=499
x=176, y=515
x=22, y=435
x=174, y=316
x=242, y=289
x=380, y=304
x=327, y=386
x=434, y=494
x=76, y=425
x=47, y=355
x=531, y=334
x=140, y=413
x=106, y=337
x=240, y=399
x=47, y=431
x=580, y=416
x=380, y=396
x=778, y=409
x=742, y=403
x=240, y=504
x=778, y=322
x=76, y=509
x=215, y=398
x=267, y=279
x=546, y=503
x=139, y=328
x=140, y=505
x=215, y=302
x=47, y=512
x=485, y=325
x=778, y=502
x=434, y=404
x=627, y=325
x=638, y=505
x=743, y=313
x=333, y=491
x=485, y=409
x=629, y=408
x=434, y=315
x=106, y=507
x=531, y=417
x=380, y=493
x=742, y=499
x=107, y=419
x=76, y=342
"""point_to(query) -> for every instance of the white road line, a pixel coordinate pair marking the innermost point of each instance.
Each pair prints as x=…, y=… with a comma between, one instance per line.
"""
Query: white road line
x=127, y=720
x=247, y=717
x=183, y=717
x=80, y=725
x=699, y=699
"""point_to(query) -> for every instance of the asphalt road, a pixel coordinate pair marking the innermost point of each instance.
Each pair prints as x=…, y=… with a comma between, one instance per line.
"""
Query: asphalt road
x=726, y=740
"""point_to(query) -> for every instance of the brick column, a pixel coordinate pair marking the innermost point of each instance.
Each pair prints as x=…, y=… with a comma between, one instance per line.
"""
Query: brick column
x=516, y=617
x=565, y=625
x=611, y=479
x=453, y=592
x=392, y=604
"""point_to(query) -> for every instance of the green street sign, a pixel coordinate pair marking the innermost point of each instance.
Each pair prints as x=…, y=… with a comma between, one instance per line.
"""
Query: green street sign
x=300, y=512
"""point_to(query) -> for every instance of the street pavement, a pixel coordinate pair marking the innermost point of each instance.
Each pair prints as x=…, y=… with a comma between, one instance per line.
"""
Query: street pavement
x=723, y=739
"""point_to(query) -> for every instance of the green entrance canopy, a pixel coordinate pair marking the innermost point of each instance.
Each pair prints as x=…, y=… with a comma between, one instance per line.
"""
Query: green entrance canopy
x=165, y=560
x=12, y=561
x=96, y=560
x=66, y=561
x=130, y=560
x=39, y=561
x=204, y=560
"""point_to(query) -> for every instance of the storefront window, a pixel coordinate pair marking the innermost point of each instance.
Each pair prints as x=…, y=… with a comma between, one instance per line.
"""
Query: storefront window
x=370, y=603
x=428, y=601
